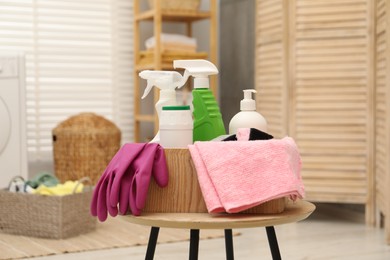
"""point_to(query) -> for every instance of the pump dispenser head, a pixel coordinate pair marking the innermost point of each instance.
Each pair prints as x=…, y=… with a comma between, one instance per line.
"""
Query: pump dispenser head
x=248, y=117
x=248, y=104
x=164, y=80
x=199, y=69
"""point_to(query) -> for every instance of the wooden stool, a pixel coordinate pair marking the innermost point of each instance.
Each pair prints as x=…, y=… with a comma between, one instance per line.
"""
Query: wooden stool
x=195, y=221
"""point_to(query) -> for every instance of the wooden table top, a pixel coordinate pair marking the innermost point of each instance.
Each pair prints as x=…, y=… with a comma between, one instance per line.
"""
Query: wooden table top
x=294, y=211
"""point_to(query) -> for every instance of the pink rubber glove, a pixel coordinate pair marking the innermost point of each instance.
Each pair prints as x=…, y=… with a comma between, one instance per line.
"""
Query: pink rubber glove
x=117, y=167
x=152, y=162
x=100, y=186
x=118, y=192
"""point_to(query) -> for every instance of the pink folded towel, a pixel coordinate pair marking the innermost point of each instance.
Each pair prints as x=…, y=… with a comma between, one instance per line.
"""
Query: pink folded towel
x=235, y=176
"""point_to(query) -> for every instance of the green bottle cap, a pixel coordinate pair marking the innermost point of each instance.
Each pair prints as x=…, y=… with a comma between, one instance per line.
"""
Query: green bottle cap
x=176, y=108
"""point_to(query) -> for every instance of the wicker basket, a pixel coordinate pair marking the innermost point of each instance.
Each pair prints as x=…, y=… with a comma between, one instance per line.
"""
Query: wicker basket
x=43, y=216
x=83, y=145
x=188, y=5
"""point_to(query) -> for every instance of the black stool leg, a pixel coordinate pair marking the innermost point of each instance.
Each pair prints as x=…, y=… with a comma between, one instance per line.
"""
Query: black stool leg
x=273, y=243
x=229, y=244
x=194, y=244
x=152, y=243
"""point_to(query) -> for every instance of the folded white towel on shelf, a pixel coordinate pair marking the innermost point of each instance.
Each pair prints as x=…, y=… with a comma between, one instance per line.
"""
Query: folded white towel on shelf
x=176, y=41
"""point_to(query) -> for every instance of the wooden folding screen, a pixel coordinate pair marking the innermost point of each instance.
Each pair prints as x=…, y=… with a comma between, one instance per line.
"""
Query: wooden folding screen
x=315, y=82
x=382, y=110
x=271, y=64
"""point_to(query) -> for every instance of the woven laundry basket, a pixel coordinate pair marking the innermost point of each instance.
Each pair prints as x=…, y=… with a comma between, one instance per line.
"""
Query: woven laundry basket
x=55, y=217
x=83, y=145
x=187, y=5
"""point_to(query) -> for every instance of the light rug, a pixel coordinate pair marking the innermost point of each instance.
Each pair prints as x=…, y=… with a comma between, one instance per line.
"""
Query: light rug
x=113, y=233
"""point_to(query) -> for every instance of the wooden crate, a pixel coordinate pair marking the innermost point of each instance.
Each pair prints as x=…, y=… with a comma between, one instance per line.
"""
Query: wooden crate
x=183, y=194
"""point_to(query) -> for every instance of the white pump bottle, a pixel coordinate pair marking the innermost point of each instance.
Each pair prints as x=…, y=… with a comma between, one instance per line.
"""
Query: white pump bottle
x=167, y=82
x=248, y=117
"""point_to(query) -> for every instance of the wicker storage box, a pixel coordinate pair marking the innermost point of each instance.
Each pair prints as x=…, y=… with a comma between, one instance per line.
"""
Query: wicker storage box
x=55, y=217
x=188, y=5
x=83, y=145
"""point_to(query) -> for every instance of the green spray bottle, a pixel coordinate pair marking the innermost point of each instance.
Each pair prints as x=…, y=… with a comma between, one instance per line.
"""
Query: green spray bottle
x=208, y=123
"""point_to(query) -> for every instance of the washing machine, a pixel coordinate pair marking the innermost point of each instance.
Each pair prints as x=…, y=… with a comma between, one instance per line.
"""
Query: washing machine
x=13, y=141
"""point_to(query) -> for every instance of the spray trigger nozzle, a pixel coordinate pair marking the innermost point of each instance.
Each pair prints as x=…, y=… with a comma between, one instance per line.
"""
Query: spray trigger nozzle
x=164, y=80
x=199, y=69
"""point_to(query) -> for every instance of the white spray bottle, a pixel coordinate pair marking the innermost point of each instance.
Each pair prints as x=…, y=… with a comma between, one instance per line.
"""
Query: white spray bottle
x=167, y=82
